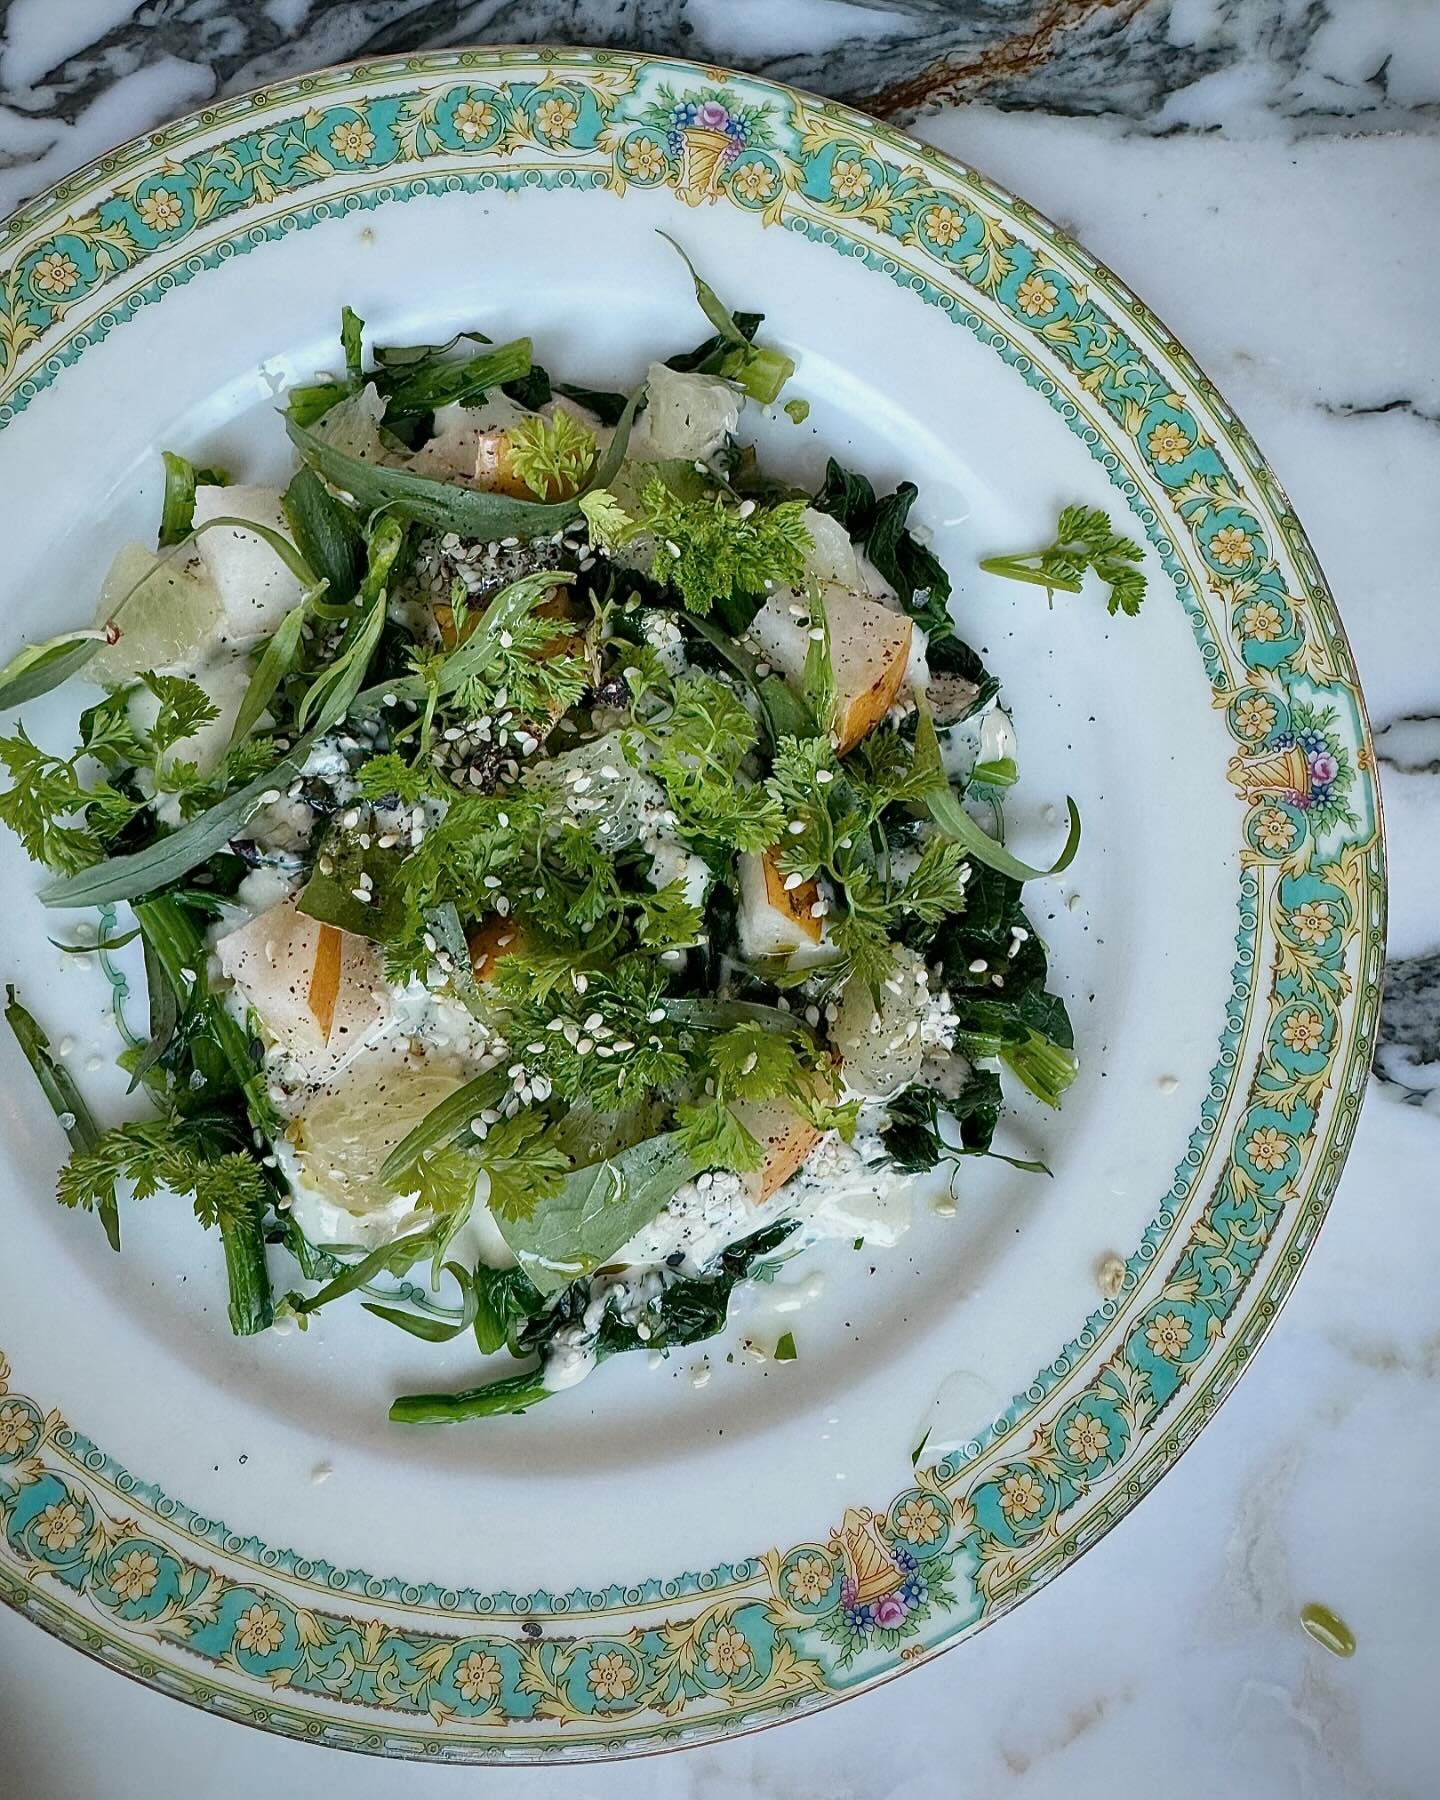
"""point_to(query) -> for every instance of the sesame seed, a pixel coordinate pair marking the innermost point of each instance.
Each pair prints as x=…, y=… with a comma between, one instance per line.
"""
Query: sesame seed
x=812, y=1015
x=594, y=1020
x=584, y=1046
x=270, y=796
x=979, y=966
x=359, y=894
x=350, y=819
x=746, y=508
x=655, y=1018
x=580, y=982
x=817, y=635
x=796, y=827
x=673, y=548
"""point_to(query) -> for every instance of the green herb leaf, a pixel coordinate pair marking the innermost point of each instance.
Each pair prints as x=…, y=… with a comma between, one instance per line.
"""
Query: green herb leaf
x=1084, y=539
x=760, y=371
x=352, y=329
x=445, y=506
x=785, y=1348
x=443, y=1123
x=333, y=692
x=330, y=893
x=167, y=859
x=503, y=1299
x=327, y=534
x=66, y=1100
x=177, y=512
x=38, y=668
x=714, y=1138
x=596, y=1210
x=424, y=1325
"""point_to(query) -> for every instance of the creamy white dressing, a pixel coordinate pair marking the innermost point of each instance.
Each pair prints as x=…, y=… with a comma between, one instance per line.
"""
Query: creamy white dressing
x=986, y=736
x=842, y=1191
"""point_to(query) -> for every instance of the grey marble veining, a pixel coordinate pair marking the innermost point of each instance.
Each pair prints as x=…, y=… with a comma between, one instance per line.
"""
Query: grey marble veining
x=69, y=66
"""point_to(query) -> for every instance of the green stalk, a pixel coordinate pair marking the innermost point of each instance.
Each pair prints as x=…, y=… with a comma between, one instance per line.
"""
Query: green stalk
x=66, y=1100
x=511, y=1394
x=180, y=951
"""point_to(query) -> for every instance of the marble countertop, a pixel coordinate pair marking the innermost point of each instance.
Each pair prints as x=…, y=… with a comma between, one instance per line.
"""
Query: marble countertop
x=1267, y=174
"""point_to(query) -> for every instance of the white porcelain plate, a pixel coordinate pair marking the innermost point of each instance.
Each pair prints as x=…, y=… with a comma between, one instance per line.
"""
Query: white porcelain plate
x=646, y=1561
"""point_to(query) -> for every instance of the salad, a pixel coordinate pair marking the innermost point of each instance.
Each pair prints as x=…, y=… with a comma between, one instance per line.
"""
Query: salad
x=567, y=859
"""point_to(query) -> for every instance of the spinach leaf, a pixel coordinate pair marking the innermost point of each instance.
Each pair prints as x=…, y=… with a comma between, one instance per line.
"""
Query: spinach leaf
x=505, y=1300
x=917, y=575
x=597, y=1210
x=327, y=534
x=330, y=895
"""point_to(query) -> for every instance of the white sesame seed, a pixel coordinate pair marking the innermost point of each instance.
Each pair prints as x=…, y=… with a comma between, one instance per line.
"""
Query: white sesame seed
x=359, y=894
x=979, y=966
x=824, y=776
x=817, y=635
x=350, y=819
x=792, y=882
x=812, y=1015
x=673, y=548
x=796, y=827
x=584, y=1046
x=656, y=1017
x=580, y=982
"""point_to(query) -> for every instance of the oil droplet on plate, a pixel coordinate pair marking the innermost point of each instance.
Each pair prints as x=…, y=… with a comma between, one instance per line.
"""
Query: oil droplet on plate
x=321, y=1472
x=1328, y=1629
x=1110, y=1275
x=700, y=1374
x=1167, y=1084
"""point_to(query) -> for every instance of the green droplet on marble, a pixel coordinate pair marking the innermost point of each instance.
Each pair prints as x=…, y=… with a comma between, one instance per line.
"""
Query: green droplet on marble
x=1329, y=1629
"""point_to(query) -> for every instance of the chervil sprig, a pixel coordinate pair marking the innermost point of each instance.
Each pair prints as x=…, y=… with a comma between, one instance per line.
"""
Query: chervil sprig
x=697, y=751
x=153, y=1153
x=709, y=550
x=553, y=457
x=1084, y=539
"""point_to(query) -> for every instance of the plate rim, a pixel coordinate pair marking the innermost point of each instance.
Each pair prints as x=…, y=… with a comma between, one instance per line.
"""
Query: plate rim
x=368, y=73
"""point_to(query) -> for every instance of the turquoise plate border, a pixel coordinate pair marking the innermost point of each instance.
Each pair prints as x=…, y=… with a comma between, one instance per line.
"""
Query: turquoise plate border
x=113, y=1565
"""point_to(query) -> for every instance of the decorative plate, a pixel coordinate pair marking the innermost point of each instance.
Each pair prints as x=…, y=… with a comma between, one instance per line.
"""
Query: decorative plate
x=647, y=1561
